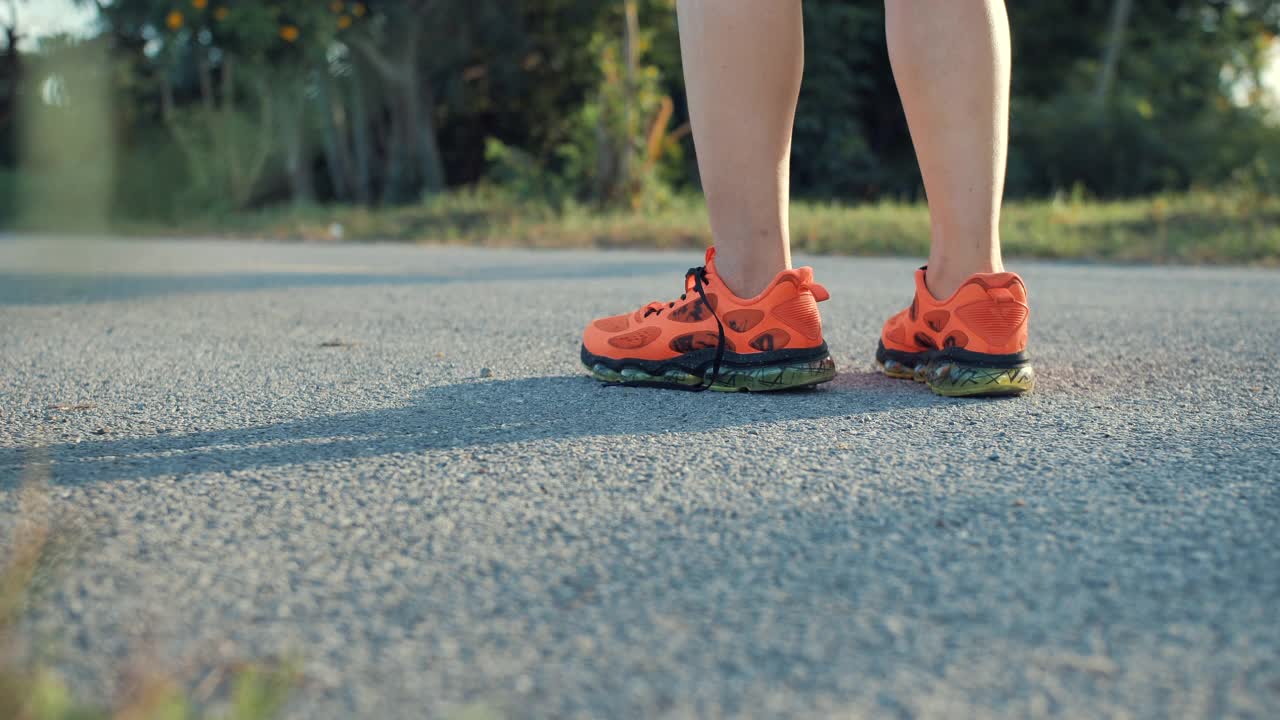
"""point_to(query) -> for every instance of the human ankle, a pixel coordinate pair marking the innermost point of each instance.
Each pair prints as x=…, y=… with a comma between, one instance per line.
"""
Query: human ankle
x=749, y=279
x=944, y=279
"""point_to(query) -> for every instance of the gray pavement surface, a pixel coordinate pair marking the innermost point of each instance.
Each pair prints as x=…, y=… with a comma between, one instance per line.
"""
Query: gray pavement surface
x=385, y=461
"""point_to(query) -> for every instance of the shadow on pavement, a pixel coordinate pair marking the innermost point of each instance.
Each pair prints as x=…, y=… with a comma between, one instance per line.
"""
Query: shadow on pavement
x=466, y=415
x=48, y=288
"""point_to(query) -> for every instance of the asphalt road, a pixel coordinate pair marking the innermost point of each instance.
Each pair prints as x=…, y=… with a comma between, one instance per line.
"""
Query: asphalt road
x=386, y=461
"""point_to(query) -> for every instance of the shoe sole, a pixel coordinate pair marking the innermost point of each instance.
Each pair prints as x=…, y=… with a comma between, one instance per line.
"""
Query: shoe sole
x=958, y=373
x=758, y=372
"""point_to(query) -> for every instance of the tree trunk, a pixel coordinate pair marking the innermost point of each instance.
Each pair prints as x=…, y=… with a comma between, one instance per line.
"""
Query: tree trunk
x=433, y=179
x=413, y=153
x=334, y=140
x=297, y=159
x=630, y=61
x=1120, y=12
x=606, y=167
x=420, y=132
x=362, y=144
x=394, y=182
x=257, y=161
x=10, y=75
x=227, y=120
x=205, y=71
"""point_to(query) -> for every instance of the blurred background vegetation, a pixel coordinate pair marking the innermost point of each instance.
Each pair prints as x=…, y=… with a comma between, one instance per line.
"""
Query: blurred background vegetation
x=1145, y=131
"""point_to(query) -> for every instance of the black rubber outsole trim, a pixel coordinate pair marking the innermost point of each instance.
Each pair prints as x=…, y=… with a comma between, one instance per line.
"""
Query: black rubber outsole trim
x=953, y=372
x=757, y=372
x=957, y=355
x=700, y=360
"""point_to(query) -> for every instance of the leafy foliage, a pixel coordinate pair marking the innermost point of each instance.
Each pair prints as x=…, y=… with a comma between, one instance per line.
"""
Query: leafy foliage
x=218, y=105
x=1173, y=119
x=615, y=149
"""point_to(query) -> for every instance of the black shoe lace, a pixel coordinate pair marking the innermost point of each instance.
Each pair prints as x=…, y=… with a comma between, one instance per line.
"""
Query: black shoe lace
x=700, y=281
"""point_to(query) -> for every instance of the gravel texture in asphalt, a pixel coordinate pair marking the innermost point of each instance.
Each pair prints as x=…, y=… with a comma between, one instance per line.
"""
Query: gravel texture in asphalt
x=387, y=462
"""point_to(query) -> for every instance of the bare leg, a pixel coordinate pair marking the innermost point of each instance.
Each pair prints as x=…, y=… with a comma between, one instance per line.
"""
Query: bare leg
x=951, y=63
x=742, y=65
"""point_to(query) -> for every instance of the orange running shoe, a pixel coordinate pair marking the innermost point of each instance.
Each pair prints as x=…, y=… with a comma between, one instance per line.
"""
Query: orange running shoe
x=972, y=343
x=710, y=339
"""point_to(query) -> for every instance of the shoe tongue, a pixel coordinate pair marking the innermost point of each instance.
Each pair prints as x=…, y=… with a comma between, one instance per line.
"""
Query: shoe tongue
x=709, y=262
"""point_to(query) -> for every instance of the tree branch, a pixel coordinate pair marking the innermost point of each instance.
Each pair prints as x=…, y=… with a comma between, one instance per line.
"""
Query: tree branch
x=1120, y=11
x=380, y=62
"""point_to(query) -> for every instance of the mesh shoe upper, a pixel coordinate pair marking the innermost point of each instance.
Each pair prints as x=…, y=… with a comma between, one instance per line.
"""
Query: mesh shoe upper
x=783, y=316
x=988, y=314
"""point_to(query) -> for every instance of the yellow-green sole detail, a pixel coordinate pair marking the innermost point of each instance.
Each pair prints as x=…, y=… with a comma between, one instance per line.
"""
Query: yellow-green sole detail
x=953, y=379
x=762, y=378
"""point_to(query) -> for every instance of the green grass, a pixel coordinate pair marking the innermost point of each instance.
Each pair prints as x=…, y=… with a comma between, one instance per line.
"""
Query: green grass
x=1200, y=227
x=1236, y=226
